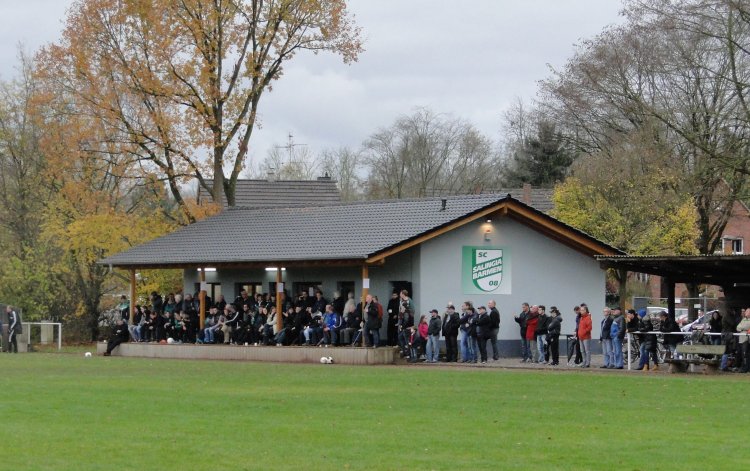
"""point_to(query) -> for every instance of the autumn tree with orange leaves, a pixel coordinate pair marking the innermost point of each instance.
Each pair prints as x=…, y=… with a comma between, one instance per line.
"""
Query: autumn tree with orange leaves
x=176, y=85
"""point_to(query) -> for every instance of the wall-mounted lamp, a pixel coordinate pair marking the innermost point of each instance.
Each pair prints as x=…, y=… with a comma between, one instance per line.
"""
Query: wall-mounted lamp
x=489, y=221
x=487, y=233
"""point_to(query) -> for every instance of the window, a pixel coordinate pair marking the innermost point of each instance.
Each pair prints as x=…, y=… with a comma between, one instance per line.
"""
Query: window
x=213, y=291
x=308, y=286
x=252, y=287
x=732, y=245
x=642, y=277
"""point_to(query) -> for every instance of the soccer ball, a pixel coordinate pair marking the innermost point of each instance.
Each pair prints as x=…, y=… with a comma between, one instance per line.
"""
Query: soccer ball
x=330, y=360
x=170, y=340
x=87, y=354
x=324, y=360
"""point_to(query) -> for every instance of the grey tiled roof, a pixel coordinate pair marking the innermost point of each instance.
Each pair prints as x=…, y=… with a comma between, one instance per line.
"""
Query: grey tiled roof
x=280, y=194
x=541, y=198
x=344, y=231
x=337, y=232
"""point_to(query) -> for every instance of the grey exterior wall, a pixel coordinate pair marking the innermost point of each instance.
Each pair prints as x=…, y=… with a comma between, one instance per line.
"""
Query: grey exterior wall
x=542, y=271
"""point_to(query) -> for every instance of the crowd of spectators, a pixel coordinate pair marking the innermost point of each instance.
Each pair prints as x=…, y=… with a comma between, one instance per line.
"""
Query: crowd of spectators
x=314, y=320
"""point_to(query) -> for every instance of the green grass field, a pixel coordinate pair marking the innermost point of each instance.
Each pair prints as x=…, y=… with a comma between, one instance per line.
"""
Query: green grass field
x=65, y=412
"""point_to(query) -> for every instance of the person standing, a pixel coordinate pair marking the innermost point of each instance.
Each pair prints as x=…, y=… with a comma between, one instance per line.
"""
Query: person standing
x=393, y=307
x=541, y=334
x=483, y=332
x=14, y=328
x=468, y=333
x=606, y=339
x=521, y=321
x=372, y=320
x=584, y=336
x=451, y=321
x=494, y=328
x=744, y=328
x=617, y=334
x=553, y=336
x=433, y=337
x=531, y=322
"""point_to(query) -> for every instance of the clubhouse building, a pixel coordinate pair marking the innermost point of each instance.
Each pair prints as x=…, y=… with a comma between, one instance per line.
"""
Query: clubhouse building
x=441, y=249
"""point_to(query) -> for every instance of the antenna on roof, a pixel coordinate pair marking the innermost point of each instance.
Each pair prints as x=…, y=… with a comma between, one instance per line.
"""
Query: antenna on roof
x=443, y=204
x=290, y=145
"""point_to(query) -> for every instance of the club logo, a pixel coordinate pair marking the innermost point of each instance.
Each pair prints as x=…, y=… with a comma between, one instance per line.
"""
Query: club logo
x=487, y=268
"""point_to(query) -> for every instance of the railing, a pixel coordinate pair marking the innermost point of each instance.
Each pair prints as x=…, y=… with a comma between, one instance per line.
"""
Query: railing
x=684, y=334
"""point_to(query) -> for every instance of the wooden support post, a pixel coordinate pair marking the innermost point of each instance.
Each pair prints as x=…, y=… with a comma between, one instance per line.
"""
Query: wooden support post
x=132, y=296
x=279, y=300
x=365, y=292
x=670, y=298
x=202, y=299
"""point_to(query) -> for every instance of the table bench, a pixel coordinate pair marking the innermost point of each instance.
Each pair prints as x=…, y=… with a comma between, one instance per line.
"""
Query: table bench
x=696, y=355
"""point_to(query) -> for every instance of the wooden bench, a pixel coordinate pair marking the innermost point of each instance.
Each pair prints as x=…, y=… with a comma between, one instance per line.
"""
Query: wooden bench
x=696, y=355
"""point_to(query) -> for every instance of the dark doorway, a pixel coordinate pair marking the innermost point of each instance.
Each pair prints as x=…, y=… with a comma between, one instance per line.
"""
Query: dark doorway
x=401, y=285
x=344, y=288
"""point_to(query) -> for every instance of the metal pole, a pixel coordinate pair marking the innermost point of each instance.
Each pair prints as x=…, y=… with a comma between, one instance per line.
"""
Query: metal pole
x=629, y=361
x=202, y=300
x=365, y=292
x=279, y=301
x=59, y=337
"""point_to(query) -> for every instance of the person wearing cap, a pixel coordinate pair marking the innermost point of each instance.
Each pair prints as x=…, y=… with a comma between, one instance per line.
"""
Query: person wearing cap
x=451, y=321
x=433, y=337
x=553, y=336
x=483, y=332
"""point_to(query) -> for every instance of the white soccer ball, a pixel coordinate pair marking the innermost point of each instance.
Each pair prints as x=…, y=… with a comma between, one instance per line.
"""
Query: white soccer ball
x=324, y=360
x=330, y=360
x=87, y=354
x=170, y=340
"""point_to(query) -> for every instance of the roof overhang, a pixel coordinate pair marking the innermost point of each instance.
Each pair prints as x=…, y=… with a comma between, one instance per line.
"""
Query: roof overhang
x=522, y=213
x=721, y=270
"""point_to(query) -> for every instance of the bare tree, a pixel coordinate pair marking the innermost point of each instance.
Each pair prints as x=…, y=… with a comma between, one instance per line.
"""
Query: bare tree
x=343, y=165
x=428, y=154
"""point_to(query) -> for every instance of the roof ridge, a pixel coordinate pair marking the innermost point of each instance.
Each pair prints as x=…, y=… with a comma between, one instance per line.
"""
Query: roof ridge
x=383, y=201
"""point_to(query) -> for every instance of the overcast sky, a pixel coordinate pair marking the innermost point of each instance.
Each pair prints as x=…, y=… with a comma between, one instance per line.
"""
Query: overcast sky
x=471, y=61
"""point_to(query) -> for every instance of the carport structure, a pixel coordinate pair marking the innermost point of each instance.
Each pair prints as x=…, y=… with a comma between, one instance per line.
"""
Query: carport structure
x=730, y=272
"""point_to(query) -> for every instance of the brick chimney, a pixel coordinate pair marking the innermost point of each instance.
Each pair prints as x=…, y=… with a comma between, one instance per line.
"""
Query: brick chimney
x=526, y=195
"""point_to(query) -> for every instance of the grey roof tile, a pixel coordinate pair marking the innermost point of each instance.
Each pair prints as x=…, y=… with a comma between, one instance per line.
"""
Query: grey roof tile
x=280, y=194
x=335, y=232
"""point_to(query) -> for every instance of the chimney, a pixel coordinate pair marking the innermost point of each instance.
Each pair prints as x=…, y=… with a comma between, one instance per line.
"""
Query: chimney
x=271, y=175
x=526, y=198
x=325, y=178
x=443, y=204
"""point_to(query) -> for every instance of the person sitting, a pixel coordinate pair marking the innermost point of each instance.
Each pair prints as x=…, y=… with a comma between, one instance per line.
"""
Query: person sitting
x=119, y=335
x=331, y=324
x=138, y=320
x=314, y=331
x=269, y=328
x=149, y=330
x=350, y=323
x=230, y=324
